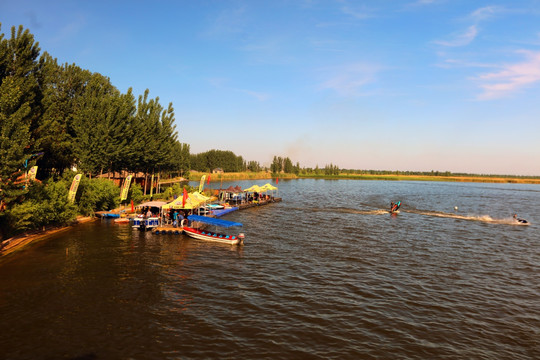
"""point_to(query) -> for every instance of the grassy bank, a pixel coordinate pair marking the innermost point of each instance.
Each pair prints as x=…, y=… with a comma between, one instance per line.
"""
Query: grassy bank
x=195, y=176
x=393, y=177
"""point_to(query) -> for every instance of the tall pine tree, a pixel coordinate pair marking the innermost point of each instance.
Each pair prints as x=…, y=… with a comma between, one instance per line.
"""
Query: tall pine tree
x=20, y=99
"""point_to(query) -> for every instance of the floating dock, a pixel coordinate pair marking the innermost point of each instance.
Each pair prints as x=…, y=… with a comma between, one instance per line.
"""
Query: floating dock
x=169, y=229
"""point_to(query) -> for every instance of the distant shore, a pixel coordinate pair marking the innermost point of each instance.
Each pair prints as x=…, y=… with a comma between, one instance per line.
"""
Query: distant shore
x=388, y=177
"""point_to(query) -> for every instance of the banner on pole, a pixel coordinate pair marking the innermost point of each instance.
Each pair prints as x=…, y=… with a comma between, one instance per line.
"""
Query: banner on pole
x=125, y=188
x=32, y=173
x=74, y=187
x=201, y=185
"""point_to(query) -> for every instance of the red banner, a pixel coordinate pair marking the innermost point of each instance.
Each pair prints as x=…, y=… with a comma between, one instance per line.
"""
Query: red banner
x=184, y=198
x=208, y=180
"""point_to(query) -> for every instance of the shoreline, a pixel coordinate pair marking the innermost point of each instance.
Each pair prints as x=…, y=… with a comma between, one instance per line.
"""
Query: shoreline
x=388, y=177
x=19, y=242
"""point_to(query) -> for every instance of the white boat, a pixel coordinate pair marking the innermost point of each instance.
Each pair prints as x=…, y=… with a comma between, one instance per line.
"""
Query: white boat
x=145, y=223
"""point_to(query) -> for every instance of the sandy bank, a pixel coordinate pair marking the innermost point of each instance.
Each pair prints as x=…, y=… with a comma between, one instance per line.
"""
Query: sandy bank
x=20, y=241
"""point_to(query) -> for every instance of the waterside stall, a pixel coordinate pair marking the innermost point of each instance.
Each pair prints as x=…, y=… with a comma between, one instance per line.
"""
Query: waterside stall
x=145, y=221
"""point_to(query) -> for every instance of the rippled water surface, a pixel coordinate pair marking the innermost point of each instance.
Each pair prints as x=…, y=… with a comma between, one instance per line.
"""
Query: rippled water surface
x=325, y=274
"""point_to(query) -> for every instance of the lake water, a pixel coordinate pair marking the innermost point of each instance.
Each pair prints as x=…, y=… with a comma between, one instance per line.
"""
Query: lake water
x=325, y=274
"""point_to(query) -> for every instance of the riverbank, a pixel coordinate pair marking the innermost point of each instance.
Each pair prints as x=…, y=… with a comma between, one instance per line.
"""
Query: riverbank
x=263, y=175
x=450, y=178
x=18, y=242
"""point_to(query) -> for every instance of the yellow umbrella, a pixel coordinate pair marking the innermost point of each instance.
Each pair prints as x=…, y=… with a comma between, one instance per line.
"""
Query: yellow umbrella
x=254, y=188
x=267, y=187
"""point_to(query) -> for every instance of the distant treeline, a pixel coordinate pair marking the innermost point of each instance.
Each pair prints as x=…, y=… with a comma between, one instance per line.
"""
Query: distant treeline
x=224, y=160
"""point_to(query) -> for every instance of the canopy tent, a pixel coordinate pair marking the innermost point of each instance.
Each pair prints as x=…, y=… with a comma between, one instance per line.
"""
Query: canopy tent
x=230, y=194
x=193, y=201
x=238, y=188
x=213, y=221
x=268, y=187
x=157, y=204
x=254, y=188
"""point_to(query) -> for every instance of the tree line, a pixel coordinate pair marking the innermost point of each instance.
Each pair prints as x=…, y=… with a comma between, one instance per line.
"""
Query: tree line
x=224, y=160
x=60, y=116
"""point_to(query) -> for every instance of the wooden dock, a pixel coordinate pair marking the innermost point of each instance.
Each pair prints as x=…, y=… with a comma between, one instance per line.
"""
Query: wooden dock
x=167, y=229
x=257, y=203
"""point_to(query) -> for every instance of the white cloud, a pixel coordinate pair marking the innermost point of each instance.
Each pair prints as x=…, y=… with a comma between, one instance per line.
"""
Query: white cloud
x=485, y=13
x=350, y=80
x=460, y=39
x=511, y=78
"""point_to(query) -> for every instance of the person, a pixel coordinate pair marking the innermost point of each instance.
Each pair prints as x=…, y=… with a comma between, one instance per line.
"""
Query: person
x=175, y=218
x=180, y=218
x=149, y=213
x=391, y=206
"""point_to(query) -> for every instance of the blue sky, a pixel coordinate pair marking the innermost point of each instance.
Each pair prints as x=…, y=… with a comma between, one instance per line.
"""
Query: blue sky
x=445, y=85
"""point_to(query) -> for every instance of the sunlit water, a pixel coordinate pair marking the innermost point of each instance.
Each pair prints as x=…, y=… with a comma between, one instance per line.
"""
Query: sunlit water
x=326, y=274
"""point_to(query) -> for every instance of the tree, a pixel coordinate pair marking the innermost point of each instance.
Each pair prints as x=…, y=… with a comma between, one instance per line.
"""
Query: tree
x=63, y=86
x=20, y=110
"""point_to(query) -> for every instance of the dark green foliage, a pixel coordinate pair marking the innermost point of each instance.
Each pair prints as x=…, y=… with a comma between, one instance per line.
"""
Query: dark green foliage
x=210, y=160
x=97, y=195
x=254, y=166
x=284, y=165
x=62, y=87
x=135, y=194
x=20, y=109
x=45, y=204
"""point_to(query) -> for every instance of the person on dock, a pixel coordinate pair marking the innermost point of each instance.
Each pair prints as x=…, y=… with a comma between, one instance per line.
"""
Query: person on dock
x=175, y=218
x=180, y=218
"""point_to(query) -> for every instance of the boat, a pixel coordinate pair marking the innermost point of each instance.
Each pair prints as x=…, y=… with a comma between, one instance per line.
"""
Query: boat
x=394, y=208
x=145, y=223
x=521, y=221
x=110, y=215
x=121, y=220
x=204, y=234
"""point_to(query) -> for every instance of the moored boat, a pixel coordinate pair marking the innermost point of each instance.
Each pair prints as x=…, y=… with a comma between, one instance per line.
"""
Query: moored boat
x=145, y=223
x=197, y=232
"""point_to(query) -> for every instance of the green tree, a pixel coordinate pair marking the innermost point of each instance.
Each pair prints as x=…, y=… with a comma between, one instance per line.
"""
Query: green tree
x=20, y=110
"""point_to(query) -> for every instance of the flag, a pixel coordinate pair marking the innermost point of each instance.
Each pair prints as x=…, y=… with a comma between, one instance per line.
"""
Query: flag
x=125, y=188
x=184, y=198
x=74, y=187
x=201, y=185
x=32, y=173
x=277, y=180
x=132, y=207
x=208, y=180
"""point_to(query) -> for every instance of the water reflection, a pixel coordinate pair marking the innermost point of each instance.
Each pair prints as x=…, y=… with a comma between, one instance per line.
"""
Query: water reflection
x=328, y=273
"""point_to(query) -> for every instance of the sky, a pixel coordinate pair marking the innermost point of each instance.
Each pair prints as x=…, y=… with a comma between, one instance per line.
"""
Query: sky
x=408, y=85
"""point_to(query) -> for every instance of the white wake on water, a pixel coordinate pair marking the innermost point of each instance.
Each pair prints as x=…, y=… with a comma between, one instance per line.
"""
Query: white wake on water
x=481, y=218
